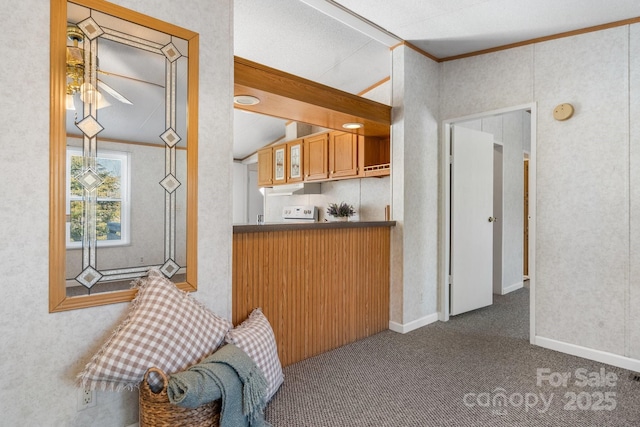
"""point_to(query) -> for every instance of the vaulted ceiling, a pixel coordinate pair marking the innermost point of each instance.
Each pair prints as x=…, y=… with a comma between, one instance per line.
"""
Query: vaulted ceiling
x=345, y=44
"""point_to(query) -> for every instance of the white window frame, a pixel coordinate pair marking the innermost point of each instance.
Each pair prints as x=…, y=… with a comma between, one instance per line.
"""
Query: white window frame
x=125, y=203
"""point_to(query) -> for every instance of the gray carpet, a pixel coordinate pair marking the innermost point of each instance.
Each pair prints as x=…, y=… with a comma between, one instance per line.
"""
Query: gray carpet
x=447, y=374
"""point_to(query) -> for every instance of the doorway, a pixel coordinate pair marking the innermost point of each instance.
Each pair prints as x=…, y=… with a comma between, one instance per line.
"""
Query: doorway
x=255, y=199
x=472, y=219
x=449, y=258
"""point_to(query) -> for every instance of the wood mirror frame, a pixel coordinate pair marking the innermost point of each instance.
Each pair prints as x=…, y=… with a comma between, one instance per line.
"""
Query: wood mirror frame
x=59, y=300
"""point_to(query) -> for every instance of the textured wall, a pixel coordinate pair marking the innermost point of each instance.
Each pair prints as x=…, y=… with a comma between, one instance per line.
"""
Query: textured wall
x=414, y=156
x=41, y=353
x=486, y=82
x=632, y=314
x=396, y=292
x=584, y=190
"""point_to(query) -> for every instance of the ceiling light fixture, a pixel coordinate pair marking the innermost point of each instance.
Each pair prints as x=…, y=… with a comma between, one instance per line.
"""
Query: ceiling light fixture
x=90, y=95
x=246, y=100
x=352, y=125
x=76, y=76
x=75, y=60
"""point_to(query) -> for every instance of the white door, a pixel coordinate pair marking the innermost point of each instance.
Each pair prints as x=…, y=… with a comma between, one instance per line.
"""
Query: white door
x=255, y=198
x=471, y=220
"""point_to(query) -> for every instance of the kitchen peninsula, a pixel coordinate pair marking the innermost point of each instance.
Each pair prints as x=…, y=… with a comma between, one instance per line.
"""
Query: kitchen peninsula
x=321, y=285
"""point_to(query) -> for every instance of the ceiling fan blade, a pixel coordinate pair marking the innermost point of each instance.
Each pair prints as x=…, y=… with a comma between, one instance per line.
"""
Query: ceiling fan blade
x=111, y=91
x=108, y=73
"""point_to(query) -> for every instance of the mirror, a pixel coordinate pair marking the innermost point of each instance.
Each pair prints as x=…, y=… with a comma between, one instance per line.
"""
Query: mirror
x=124, y=97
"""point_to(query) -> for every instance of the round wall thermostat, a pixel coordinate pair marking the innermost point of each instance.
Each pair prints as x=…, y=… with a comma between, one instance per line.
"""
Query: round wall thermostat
x=563, y=112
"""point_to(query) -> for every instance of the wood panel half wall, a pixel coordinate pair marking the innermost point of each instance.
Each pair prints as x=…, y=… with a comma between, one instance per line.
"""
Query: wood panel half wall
x=319, y=288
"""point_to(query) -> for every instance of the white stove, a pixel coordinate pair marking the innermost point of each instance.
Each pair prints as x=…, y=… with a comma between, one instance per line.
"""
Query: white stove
x=301, y=214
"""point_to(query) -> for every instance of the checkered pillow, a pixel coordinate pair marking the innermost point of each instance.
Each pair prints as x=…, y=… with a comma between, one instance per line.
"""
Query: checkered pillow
x=165, y=328
x=256, y=338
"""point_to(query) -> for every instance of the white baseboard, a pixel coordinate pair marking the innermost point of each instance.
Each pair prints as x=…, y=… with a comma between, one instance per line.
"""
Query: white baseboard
x=512, y=288
x=408, y=327
x=589, y=353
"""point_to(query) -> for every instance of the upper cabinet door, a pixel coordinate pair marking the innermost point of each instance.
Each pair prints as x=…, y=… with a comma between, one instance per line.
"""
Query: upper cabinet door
x=295, y=161
x=316, y=163
x=265, y=167
x=343, y=154
x=280, y=164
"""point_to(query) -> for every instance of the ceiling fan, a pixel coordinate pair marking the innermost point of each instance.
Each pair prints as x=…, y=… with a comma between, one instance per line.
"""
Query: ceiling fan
x=75, y=75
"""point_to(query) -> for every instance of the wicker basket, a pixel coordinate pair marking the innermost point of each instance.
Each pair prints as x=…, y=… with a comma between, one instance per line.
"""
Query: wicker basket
x=157, y=411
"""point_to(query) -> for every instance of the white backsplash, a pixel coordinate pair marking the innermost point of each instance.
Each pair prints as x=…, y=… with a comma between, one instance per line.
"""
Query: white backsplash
x=369, y=196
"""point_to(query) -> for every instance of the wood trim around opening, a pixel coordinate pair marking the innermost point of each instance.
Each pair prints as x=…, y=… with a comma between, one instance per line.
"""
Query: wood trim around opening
x=522, y=43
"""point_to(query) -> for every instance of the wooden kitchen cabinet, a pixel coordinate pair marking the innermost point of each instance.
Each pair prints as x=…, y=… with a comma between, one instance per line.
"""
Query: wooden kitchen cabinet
x=265, y=167
x=343, y=154
x=295, y=172
x=374, y=156
x=316, y=160
x=325, y=156
x=280, y=164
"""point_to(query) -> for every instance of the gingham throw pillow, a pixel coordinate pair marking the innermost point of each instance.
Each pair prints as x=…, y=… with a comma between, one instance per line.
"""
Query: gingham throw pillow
x=165, y=328
x=256, y=338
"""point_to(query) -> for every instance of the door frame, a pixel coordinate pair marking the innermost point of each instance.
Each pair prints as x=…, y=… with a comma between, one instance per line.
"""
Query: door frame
x=445, y=209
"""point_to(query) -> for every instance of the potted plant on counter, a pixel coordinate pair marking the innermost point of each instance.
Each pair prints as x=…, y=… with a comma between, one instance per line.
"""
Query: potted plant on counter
x=341, y=212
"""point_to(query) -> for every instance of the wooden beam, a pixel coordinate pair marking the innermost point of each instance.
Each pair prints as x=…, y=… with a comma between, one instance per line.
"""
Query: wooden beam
x=291, y=97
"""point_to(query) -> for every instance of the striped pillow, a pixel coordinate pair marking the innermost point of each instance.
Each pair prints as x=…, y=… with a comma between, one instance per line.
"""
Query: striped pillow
x=165, y=328
x=256, y=338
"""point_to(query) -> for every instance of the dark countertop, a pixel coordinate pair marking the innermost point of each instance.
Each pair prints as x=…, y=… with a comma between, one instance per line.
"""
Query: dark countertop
x=253, y=228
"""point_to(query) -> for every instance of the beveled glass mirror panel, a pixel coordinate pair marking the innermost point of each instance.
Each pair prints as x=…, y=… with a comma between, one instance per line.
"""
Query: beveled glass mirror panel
x=123, y=152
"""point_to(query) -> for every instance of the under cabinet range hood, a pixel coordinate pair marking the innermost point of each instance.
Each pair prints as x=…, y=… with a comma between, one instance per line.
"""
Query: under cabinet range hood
x=291, y=189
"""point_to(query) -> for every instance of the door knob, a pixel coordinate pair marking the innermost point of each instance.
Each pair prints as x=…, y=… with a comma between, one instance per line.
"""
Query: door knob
x=492, y=219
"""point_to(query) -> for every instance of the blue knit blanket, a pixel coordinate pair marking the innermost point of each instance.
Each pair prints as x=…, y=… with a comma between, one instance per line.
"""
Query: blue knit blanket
x=228, y=374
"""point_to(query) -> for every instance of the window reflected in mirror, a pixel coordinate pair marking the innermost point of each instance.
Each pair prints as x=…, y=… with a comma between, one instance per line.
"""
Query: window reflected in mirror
x=112, y=199
x=125, y=149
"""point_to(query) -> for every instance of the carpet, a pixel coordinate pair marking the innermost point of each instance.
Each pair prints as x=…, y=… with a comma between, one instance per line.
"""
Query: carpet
x=478, y=369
